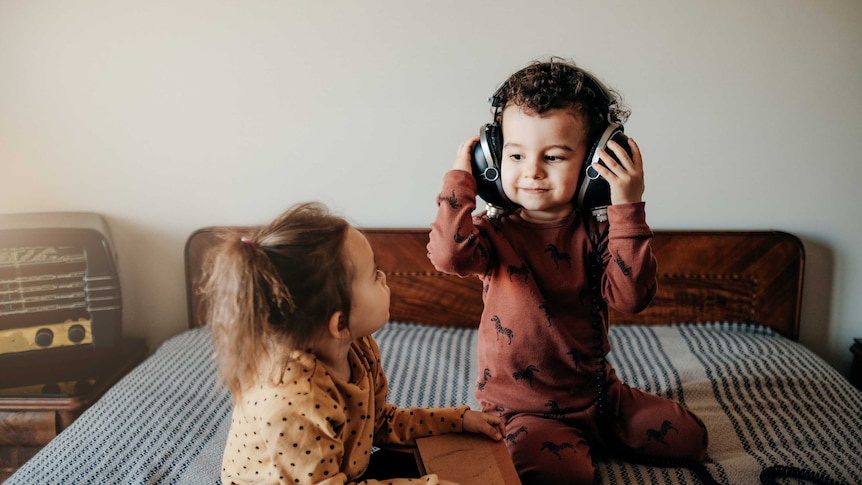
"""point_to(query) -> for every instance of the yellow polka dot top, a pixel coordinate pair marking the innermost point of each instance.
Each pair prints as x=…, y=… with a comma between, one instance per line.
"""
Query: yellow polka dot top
x=312, y=427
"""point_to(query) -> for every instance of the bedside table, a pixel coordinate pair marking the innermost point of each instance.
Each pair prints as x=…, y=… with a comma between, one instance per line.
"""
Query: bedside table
x=42, y=393
x=856, y=370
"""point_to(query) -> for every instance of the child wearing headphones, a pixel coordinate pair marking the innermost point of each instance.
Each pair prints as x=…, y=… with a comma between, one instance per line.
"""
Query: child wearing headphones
x=549, y=271
x=292, y=307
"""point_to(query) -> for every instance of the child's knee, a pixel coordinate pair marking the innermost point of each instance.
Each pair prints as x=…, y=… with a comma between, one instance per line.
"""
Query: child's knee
x=575, y=468
x=693, y=439
x=548, y=452
x=682, y=437
x=660, y=427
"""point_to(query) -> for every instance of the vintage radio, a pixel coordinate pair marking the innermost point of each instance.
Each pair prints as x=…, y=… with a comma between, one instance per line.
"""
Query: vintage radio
x=59, y=286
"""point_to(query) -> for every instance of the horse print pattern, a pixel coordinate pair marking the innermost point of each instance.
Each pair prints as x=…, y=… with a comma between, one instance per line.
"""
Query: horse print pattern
x=557, y=256
x=556, y=448
x=522, y=270
x=627, y=270
x=511, y=437
x=451, y=200
x=577, y=357
x=658, y=435
x=501, y=330
x=526, y=374
x=556, y=411
x=486, y=375
x=549, y=315
x=471, y=239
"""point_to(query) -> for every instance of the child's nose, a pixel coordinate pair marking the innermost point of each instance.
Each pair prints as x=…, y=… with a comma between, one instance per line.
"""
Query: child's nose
x=532, y=168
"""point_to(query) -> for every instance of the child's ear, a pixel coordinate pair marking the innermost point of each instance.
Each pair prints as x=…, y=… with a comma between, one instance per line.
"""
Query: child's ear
x=338, y=327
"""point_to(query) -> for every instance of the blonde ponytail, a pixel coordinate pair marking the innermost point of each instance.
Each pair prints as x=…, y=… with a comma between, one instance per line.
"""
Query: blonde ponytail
x=274, y=289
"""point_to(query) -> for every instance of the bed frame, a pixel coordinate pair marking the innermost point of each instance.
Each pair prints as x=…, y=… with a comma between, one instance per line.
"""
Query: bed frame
x=767, y=401
x=703, y=276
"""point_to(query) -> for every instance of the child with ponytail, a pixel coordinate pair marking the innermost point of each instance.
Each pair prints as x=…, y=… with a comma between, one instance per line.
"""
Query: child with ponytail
x=292, y=306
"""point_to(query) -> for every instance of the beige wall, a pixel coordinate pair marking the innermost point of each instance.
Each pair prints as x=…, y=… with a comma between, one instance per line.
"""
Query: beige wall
x=165, y=116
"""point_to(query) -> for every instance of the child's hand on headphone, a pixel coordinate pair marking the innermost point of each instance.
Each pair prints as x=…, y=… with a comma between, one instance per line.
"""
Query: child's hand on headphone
x=626, y=177
x=462, y=159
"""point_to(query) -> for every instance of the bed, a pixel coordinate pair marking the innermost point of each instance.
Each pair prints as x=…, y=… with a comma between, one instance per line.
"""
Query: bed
x=720, y=337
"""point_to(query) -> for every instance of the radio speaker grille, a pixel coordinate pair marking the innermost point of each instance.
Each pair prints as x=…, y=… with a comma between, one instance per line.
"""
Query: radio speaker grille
x=59, y=285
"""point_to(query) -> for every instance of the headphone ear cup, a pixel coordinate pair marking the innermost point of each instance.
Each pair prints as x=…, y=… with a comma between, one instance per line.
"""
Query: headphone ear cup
x=485, y=165
x=592, y=154
x=593, y=190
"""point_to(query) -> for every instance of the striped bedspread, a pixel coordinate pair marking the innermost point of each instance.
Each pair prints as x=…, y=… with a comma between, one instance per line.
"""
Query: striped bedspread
x=765, y=400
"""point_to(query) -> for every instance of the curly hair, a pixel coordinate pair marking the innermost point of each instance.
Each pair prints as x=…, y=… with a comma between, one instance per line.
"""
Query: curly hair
x=559, y=83
x=274, y=288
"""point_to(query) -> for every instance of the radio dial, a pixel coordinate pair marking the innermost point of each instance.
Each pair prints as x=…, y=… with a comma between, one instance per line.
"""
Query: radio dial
x=77, y=333
x=44, y=337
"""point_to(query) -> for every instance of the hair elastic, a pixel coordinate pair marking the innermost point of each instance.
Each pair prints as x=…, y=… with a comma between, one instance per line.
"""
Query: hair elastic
x=247, y=241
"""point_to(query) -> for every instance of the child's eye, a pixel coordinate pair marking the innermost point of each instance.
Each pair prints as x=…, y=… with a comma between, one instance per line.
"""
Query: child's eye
x=554, y=158
x=516, y=157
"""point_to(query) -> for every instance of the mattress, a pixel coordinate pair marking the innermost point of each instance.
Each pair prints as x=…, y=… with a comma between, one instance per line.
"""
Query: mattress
x=765, y=399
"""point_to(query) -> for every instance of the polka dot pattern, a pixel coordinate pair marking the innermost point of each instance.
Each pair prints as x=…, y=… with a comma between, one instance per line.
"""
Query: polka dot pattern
x=314, y=427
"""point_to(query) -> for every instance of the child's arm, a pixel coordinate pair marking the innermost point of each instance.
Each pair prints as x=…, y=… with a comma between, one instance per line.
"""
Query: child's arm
x=402, y=426
x=303, y=445
x=456, y=246
x=629, y=279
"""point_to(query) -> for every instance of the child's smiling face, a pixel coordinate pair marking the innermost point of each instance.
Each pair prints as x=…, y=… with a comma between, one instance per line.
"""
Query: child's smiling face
x=543, y=156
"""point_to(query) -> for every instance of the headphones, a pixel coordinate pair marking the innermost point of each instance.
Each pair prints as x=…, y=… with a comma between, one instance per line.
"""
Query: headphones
x=593, y=193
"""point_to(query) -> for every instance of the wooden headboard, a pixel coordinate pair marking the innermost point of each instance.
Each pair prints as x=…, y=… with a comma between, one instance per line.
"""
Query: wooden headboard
x=703, y=276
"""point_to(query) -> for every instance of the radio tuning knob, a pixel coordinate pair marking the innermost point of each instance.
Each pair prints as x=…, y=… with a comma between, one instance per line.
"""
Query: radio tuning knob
x=44, y=337
x=77, y=333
